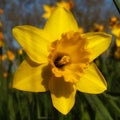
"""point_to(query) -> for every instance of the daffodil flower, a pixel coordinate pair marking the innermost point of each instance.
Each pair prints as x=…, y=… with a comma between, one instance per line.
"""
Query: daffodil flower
x=49, y=9
x=60, y=59
x=116, y=32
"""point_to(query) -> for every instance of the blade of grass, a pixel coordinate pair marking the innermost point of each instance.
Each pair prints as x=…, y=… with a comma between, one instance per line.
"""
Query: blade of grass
x=117, y=4
x=98, y=107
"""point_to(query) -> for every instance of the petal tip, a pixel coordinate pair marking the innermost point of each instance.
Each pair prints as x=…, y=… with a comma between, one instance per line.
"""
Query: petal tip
x=15, y=30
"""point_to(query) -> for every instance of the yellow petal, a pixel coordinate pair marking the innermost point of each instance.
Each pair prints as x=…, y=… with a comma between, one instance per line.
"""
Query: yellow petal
x=63, y=94
x=31, y=77
x=98, y=42
x=34, y=41
x=92, y=81
x=60, y=21
x=117, y=42
x=116, y=30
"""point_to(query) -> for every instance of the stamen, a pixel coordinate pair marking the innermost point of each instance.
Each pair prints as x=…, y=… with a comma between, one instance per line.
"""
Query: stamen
x=61, y=61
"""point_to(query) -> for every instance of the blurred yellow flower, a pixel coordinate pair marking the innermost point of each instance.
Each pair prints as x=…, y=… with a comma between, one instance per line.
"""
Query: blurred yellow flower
x=1, y=11
x=10, y=55
x=1, y=43
x=49, y=9
x=1, y=35
x=113, y=21
x=60, y=59
x=5, y=74
x=20, y=51
x=1, y=39
x=3, y=57
x=81, y=30
x=117, y=53
x=117, y=41
x=98, y=28
x=116, y=32
x=67, y=5
x=0, y=24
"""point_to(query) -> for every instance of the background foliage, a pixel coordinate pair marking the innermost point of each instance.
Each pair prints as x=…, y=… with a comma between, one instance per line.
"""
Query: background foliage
x=19, y=105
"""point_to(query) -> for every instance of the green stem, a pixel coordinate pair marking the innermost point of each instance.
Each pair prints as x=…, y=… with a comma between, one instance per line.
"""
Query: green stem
x=117, y=4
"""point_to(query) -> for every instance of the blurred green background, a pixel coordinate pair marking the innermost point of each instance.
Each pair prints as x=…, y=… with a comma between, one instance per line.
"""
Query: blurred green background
x=92, y=15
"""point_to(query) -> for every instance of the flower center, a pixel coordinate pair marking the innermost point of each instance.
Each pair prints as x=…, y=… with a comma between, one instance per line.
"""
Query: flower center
x=69, y=57
x=61, y=61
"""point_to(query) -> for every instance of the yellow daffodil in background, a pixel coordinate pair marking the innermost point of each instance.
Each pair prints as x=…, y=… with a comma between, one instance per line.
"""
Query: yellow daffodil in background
x=115, y=29
x=49, y=9
x=1, y=43
x=113, y=21
x=10, y=55
x=20, y=51
x=3, y=57
x=60, y=59
x=67, y=5
x=5, y=74
x=1, y=36
x=81, y=30
x=98, y=28
x=1, y=39
x=117, y=53
x=116, y=32
x=0, y=24
x=1, y=11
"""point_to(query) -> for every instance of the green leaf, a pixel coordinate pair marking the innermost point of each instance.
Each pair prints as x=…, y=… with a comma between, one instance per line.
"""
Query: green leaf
x=101, y=111
x=115, y=107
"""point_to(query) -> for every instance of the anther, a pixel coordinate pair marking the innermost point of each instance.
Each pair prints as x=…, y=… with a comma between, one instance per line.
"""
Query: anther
x=61, y=61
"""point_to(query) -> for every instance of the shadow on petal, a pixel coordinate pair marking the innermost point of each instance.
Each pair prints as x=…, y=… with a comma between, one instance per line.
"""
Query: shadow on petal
x=62, y=94
x=46, y=72
x=60, y=88
x=31, y=63
x=46, y=75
